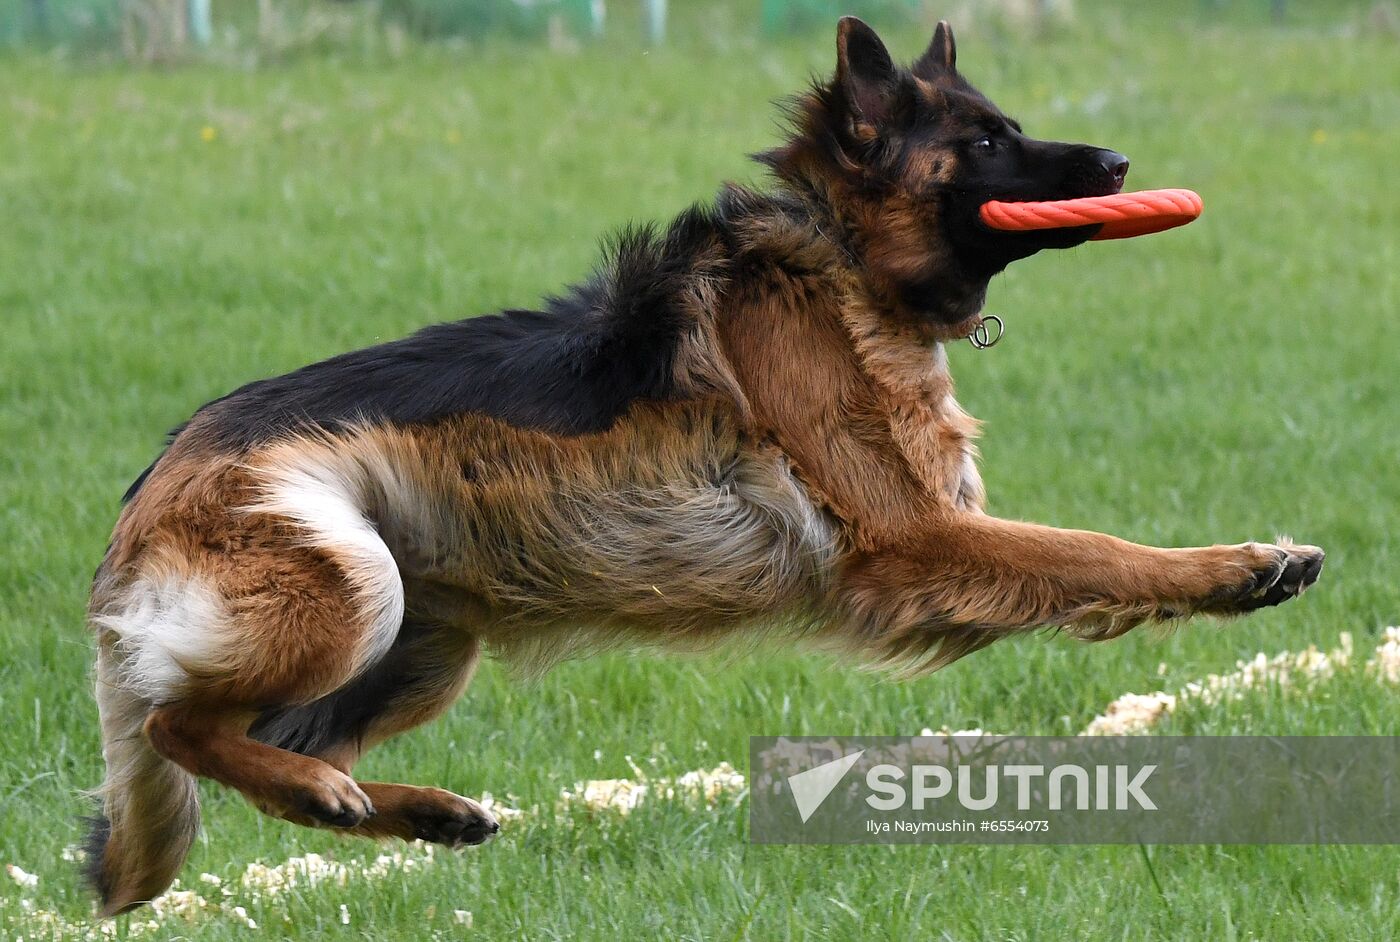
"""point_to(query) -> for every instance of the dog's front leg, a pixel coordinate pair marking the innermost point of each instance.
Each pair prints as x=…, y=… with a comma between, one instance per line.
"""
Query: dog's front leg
x=966, y=579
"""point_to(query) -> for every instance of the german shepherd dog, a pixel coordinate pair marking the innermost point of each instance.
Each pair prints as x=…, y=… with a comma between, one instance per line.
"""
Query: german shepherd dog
x=743, y=424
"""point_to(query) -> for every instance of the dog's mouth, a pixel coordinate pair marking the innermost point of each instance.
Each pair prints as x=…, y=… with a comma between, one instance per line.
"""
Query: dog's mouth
x=1088, y=182
x=1063, y=172
x=1071, y=190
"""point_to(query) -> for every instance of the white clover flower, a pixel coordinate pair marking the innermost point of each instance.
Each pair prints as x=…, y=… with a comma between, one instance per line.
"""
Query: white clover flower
x=1385, y=665
x=22, y=877
x=182, y=904
x=1132, y=713
x=242, y=916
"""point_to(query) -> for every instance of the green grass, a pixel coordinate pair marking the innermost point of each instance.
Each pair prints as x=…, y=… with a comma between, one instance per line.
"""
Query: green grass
x=1224, y=382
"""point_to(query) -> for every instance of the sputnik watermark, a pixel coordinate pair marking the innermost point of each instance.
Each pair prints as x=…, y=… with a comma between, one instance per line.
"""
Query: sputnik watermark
x=1000, y=789
x=1116, y=788
x=891, y=787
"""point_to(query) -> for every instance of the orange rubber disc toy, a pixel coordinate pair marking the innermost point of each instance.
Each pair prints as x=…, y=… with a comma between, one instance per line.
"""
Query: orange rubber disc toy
x=1122, y=215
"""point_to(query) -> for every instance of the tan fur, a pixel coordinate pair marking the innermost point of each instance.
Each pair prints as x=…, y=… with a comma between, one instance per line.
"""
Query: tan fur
x=549, y=547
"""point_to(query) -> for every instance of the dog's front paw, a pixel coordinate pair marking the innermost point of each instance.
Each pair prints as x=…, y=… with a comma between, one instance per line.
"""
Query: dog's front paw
x=1268, y=575
x=440, y=817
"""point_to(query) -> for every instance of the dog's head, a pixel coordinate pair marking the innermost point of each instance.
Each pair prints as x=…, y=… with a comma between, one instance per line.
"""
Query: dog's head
x=904, y=158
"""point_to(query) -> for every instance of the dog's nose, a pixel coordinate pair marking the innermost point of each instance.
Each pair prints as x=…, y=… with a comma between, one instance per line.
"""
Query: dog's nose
x=1116, y=166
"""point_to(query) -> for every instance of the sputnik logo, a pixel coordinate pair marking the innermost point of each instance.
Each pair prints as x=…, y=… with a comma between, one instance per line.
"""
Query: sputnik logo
x=811, y=788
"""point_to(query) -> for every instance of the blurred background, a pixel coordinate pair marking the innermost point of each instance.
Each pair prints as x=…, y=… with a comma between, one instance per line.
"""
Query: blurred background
x=254, y=30
x=197, y=193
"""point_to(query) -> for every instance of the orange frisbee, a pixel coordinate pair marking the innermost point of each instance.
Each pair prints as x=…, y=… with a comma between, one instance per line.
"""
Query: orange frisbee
x=1122, y=215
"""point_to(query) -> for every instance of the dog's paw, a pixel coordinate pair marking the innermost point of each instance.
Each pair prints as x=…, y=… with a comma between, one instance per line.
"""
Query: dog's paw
x=1270, y=575
x=440, y=817
x=332, y=799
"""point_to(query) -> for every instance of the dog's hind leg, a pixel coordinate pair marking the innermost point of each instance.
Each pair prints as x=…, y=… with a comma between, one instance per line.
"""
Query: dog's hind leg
x=421, y=675
x=197, y=635
x=320, y=640
x=214, y=744
x=291, y=628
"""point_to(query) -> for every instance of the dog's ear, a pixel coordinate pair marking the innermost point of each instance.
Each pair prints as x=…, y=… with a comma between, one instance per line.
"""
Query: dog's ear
x=941, y=56
x=865, y=73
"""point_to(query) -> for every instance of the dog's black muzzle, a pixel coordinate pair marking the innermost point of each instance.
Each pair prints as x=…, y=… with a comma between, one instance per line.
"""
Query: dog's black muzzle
x=1069, y=171
x=1100, y=173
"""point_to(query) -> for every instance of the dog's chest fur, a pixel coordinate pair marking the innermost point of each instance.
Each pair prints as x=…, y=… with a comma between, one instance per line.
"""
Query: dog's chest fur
x=928, y=426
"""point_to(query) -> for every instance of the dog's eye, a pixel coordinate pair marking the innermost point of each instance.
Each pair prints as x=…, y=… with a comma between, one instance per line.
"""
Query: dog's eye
x=983, y=143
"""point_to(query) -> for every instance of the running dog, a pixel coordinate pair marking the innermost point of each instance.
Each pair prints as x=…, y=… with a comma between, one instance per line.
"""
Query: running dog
x=742, y=424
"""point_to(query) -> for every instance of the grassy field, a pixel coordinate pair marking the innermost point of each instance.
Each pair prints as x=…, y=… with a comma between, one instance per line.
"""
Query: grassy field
x=165, y=237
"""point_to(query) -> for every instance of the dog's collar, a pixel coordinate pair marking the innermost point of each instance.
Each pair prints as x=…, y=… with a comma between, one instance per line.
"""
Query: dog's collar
x=976, y=329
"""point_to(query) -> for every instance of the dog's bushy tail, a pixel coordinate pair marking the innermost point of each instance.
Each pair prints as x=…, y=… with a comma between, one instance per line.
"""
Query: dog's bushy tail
x=150, y=808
